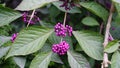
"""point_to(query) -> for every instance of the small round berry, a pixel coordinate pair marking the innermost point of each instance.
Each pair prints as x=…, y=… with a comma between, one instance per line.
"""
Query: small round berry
x=26, y=18
x=60, y=30
x=67, y=4
x=14, y=37
x=69, y=30
x=60, y=48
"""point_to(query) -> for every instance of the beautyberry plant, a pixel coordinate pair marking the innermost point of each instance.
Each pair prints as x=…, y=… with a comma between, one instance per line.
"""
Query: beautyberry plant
x=59, y=34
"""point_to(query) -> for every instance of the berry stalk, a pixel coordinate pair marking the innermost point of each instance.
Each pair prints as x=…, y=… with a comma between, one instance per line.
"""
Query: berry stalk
x=31, y=17
x=65, y=17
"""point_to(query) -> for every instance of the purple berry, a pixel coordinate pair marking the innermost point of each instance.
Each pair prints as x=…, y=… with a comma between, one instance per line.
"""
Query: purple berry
x=113, y=28
x=69, y=30
x=14, y=37
x=110, y=38
x=26, y=18
x=67, y=4
x=60, y=48
x=60, y=30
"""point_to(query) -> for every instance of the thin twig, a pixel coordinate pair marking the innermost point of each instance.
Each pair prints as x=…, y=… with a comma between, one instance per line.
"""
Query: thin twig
x=105, y=57
x=31, y=17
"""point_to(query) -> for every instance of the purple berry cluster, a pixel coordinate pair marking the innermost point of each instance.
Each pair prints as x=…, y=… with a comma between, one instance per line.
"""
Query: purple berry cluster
x=67, y=4
x=26, y=18
x=60, y=48
x=14, y=37
x=69, y=30
x=62, y=30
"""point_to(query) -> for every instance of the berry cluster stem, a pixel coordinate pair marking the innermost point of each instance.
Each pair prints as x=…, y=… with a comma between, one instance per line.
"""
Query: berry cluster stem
x=31, y=17
x=65, y=17
x=105, y=56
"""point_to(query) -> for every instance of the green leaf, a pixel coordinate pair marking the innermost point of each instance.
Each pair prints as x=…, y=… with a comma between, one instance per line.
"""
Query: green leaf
x=112, y=46
x=7, y=15
x=4, y=39
x=116, y=20
x=72, y=10
x=33, y=4
x=29, y=41
x=46, y=24
x=117, y=1
x=115, y=62
x=89, y=21
x=56, y=58
x=3, y=51
x=76, y=60
x=115, y=29
x=20, y=61
x=91, y=43
x=41, y=60
x=96, y=8
x=117, y=5
x=78, y=48
x=46, y=47
x=54, y=12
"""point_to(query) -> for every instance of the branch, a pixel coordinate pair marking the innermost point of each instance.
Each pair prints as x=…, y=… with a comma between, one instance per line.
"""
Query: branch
x=105, y=57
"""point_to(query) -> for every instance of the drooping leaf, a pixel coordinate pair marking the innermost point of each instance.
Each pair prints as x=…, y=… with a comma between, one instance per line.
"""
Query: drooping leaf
x=76, y=60
x=32, y=4
x=20, y=61
x=3, y=51
x=7, y=15
x=115, y=62
x=112, y=46
x=96, y=8
x=29, y=41
x=41, y=60
x=72, y=10
x=4, y=39
x=89, y=21
x=91, y=43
